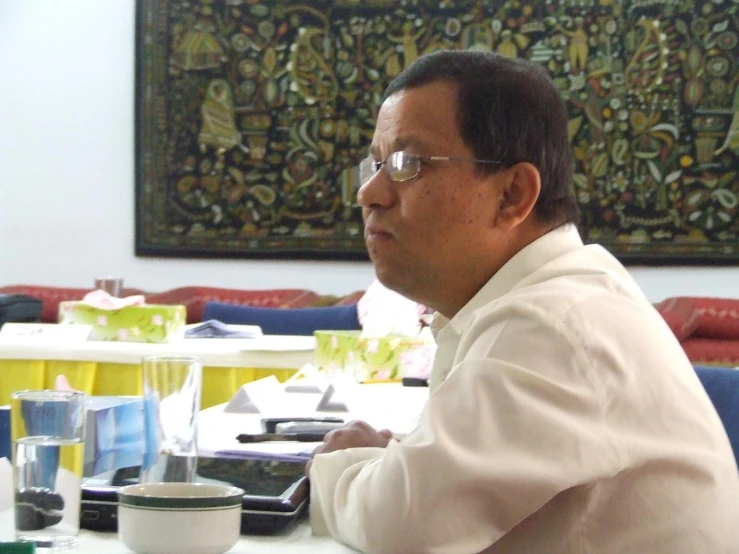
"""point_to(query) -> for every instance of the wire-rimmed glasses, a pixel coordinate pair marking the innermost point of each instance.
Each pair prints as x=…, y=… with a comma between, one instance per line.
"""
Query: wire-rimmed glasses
x=402, y=166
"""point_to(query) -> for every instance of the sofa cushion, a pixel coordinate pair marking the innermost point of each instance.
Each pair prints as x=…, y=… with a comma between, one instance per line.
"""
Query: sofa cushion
x=716, y=318
x=195, y=298
x=714, y=352
x=286, y=321
x=351, y=298
x=695, y=316
x=722, y=386
x=680, y=315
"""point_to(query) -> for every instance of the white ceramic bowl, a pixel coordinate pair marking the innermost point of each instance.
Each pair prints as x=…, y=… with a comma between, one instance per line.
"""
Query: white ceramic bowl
x=179, y=518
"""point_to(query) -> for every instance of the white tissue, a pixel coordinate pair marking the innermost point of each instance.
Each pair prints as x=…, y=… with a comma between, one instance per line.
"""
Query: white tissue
x=104, y=301
x=383, y=312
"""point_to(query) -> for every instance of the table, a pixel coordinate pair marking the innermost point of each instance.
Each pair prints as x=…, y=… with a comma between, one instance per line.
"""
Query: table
x=113, y=368
x=296, y=539
x=382, y=405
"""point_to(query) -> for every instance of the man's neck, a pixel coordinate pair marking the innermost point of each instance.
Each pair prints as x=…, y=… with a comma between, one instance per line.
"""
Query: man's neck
x=455, y=296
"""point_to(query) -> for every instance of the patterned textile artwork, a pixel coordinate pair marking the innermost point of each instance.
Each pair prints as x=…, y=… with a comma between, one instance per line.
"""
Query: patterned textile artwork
x=251, y=116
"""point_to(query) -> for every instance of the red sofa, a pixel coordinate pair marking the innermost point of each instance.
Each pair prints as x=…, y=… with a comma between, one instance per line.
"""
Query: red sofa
x=193, y=298
x=707, y=328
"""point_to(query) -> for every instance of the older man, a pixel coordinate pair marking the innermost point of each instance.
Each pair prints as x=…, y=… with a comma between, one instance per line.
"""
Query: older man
x=563, y=417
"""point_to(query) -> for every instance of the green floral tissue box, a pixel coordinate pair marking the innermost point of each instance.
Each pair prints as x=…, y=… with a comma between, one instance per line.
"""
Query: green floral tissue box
x=147, y=323
x=371, y=359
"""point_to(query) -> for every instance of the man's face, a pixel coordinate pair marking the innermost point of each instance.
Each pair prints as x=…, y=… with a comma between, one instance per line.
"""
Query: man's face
x=428, y=237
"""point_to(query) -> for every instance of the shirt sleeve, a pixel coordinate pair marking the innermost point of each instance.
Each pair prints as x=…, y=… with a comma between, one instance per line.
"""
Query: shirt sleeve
x=516, y=422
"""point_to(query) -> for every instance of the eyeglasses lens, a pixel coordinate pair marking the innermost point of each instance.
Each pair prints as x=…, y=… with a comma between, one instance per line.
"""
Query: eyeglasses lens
x=402, y=167
x=367, y=168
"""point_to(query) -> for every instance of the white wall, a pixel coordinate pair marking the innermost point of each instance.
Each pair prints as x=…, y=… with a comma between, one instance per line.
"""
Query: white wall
x=66, y=168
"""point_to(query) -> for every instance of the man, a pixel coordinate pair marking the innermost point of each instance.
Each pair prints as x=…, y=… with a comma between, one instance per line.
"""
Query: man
x=563, y=415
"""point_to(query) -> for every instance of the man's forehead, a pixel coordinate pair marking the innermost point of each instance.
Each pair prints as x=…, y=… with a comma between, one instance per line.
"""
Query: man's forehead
x=420, y=118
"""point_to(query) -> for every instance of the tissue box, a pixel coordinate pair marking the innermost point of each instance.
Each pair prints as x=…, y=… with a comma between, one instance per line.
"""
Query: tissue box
x=148, y=323
x=369, y=359
x=114, y=433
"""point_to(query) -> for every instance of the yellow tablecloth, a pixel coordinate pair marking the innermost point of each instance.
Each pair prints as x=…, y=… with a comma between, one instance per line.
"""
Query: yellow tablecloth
x=102, y=368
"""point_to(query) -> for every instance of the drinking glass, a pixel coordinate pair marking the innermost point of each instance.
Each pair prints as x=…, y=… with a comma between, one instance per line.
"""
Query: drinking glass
x=48, y=430
x=172, y=391
x=112, y=285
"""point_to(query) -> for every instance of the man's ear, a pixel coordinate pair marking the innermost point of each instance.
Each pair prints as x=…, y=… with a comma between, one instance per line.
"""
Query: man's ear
x=519, y=190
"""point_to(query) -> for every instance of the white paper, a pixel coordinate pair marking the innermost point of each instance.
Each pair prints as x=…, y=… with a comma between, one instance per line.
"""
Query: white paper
x=6, y=484
x=279, y=451
x=43, y=332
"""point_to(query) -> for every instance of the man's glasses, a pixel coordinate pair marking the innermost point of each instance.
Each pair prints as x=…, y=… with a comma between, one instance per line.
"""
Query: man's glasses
x=401, y=166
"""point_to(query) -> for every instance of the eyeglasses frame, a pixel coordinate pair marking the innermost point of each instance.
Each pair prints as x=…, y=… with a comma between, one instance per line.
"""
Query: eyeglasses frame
x=420, y=158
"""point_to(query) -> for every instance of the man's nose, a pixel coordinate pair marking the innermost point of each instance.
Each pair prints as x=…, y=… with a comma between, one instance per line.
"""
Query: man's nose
x=376, y=192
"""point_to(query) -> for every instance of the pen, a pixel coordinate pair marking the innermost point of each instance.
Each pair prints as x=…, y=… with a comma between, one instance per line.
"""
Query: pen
x=266, y=437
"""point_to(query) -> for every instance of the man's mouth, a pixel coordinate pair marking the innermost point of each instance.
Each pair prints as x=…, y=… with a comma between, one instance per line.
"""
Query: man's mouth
x=374, y=231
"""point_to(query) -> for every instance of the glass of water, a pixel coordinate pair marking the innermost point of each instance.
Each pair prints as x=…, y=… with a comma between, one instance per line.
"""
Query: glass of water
x=172, y=391
x=48, y=429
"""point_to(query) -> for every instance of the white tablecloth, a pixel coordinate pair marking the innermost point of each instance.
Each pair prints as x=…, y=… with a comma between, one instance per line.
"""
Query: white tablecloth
x=269, y=351
x=296, y=539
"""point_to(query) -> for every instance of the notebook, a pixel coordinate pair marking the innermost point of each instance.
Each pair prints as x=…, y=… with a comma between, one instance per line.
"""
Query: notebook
x=276, y=492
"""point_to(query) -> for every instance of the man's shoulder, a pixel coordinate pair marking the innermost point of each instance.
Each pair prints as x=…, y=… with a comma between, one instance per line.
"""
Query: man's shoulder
x=567, y=294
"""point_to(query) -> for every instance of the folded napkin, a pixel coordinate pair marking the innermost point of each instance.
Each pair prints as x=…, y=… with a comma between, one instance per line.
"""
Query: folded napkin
x=104, y=301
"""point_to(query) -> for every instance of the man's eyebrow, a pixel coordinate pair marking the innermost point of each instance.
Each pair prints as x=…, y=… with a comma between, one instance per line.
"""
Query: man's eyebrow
x=400, y=143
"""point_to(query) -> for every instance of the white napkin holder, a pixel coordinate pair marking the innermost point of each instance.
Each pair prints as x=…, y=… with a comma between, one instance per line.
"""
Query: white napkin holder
x=307, y=379
x=335, y=394
x=256, y=397
x=337, y=397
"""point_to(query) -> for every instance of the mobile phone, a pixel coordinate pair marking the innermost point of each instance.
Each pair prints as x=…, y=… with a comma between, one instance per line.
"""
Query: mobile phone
x=307, y=426
x=269, y=424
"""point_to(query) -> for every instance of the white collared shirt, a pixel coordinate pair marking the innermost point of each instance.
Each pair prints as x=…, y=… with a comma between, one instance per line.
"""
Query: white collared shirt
x=563, y=418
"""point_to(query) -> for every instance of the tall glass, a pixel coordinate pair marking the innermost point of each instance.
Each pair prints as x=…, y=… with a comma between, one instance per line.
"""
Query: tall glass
x=48, y=429
x=172, y=391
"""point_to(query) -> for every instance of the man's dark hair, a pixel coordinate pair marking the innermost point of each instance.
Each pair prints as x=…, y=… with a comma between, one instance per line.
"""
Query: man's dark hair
x=508, y=110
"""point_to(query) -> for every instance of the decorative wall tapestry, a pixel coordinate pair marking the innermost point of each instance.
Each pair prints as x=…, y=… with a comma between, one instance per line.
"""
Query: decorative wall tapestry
x=251, y=116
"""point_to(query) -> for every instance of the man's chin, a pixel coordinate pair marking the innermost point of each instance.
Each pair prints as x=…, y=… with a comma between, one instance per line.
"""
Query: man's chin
x=390, y=277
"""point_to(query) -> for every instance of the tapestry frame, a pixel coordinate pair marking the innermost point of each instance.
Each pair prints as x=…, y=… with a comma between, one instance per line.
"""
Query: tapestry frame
x=675, y=175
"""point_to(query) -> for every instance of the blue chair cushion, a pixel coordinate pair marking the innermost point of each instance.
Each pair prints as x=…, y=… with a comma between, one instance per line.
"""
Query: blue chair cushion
x=286, y=321
x=722, y=386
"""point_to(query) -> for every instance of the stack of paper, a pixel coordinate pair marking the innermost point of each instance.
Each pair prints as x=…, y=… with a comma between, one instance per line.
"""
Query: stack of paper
x=214, y=329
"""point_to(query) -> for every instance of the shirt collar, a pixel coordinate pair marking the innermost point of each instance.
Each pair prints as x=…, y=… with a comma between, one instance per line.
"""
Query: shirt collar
x=546, y=248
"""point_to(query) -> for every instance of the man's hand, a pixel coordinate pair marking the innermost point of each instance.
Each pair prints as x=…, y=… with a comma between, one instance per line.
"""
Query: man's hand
x=354, y=434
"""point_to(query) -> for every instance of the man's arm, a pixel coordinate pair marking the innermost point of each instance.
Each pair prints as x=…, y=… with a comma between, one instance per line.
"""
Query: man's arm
x=496, y=442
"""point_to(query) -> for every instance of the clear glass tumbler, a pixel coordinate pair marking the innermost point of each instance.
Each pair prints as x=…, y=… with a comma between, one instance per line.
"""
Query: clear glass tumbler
x=48, y=430
x=172, y=392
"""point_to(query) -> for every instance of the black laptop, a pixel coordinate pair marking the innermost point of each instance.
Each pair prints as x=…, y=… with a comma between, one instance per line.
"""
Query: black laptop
x=276, y=492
